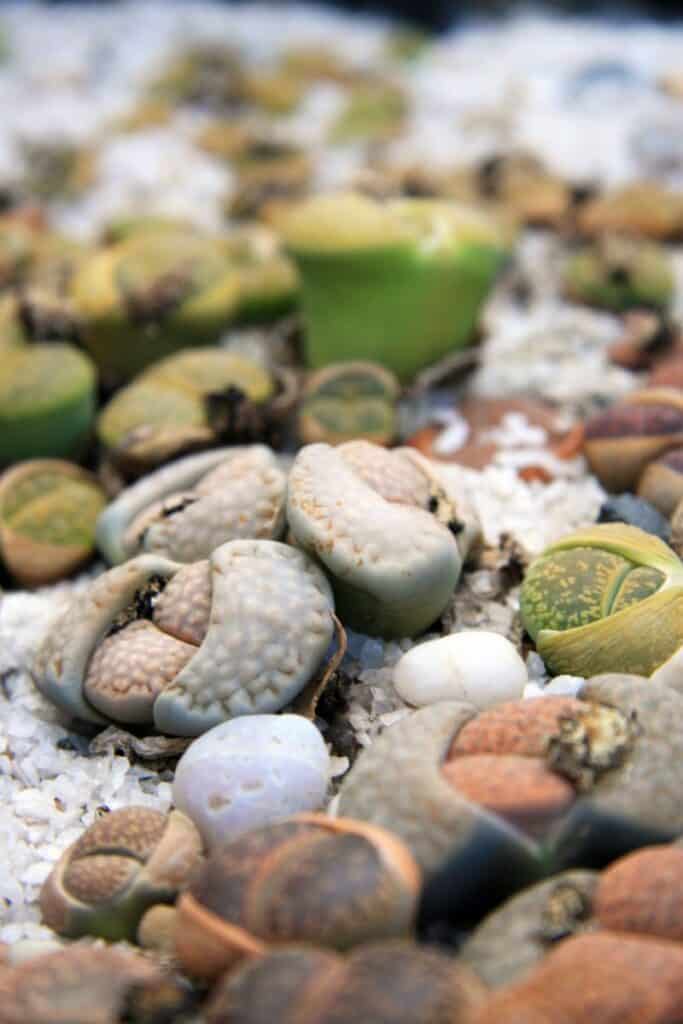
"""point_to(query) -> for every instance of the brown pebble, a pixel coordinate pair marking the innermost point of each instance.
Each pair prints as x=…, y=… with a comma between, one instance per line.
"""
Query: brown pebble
x=521, y=727
x=603, y=978
x=643, y=892
x=520, y=789
x=668, y=374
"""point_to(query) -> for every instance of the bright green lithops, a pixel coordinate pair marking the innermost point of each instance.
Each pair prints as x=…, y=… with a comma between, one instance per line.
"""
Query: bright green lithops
x=392, y=564
x=185, y=647
x=128, y=861
x=608, y=598
x=152, y=294
x=187, y=509
x=619, y=274
x=399, y=282
x=47, y=401
x=48, y=511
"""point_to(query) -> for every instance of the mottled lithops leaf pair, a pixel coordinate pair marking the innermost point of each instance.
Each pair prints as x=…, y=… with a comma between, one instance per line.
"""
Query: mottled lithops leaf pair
x=184, y=647
x=618, y=275
x=187, y=509
x=605, y=599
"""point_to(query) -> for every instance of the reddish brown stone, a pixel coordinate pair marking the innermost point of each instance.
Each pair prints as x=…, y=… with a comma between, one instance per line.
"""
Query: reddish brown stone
x=521, y=727
x=604, y=978
x=643, y=892
x=521, y=789
x=668, y=374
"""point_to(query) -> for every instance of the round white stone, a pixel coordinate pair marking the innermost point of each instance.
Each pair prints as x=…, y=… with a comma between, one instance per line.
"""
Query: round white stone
x=249, y=772
x=479, y=667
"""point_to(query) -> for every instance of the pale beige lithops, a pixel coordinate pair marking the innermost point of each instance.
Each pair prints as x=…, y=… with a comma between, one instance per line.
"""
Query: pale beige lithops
x=393, y=566
x=187, y=509
x=395, y=474
x=185, y=647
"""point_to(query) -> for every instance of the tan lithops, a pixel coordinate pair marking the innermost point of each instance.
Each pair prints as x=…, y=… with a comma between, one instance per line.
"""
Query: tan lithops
x=644, y=209
x=662, y=482
x=327, y=881
x=128, y=861
x=397, y=474
x=48, y=511
x=643, y=893
x=89, y=984
x=187, y=509
x=393, y=567
x=607, y=977
x=386, y=983
x=187, y=647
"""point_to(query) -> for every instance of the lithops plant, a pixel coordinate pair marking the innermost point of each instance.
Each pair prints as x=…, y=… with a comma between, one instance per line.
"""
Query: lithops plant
x=150, y=295
x=185, y=647
x=644, y=209
x=400, y=283
x=322, y=881
x=187, y=509
x=662, y=482
x=393, y=566
x=620, y=442
x=48, y=511
x=47, y=402
x=608, y=598
x=375, y=111
x=386, y=983
x=269, y=284
x=126, y=862
x=347, y=401
x=618, y=274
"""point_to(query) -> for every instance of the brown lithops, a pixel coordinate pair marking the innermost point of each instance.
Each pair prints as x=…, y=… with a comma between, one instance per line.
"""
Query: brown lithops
x=662, y=482
x=385, y=983
x=644, y=209
x=621, y=442
x=327, y=881
x=643, y=893
x=128, y=861
x=607, y=977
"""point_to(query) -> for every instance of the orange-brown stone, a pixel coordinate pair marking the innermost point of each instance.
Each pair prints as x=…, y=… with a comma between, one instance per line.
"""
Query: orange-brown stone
x=521, y=727
x=643, y=892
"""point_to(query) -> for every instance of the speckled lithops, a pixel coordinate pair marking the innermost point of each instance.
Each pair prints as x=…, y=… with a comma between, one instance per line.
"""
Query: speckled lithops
x=349, y=400
x=393, y=566
x=48, y=511
x=312, y=879
x=188, y=646
x=125, y=863
x=187, y=509
x=608, y=598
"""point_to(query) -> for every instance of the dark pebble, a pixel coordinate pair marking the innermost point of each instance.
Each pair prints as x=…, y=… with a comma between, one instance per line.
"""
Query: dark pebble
x=626, y=508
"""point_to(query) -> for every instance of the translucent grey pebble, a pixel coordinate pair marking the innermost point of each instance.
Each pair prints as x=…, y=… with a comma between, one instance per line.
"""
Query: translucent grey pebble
x=249, y=772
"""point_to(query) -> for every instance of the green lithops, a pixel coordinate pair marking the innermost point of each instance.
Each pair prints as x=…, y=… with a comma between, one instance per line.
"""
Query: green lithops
x=128, y=861
x=152, y=294
x=608, y=598
x=374, y=111
x=269, y=284
x=618, y=274
x=347, y=401
x=399, y=282
x=47, y=401
x=48, y=512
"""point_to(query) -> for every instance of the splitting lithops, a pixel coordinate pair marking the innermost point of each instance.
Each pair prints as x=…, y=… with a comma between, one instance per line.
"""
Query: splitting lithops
x=386, y=983
x=186, y=647
x=608, y=598
x=347, y=401
x=48, y=511
x=187, y=509
x=125, y=863
x=47, y=401
x=146, y=297
x=619, y=275
x=313, y=879
x=400, y=283
x=393, y=566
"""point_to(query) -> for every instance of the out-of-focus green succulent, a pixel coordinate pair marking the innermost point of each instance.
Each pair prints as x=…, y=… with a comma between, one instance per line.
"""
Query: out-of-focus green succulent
x=269, y=282
x=608, y=598
x=11, y=332
x=59, y=169
x=207, y=74
x=314, y=63
x=374, y=111
x=407, y=42
x=48, y=512
x=400, y=283
x=121, y=229
x=276, y=92
x=47, y=401
x=620, y=275
x=16, y=251
x=152, y=294
x=46, y=310
x=347, y=401
x=128, y=861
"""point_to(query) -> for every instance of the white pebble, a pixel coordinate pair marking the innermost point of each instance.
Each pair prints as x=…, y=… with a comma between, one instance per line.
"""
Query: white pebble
x=479, y=667
x=249, y=772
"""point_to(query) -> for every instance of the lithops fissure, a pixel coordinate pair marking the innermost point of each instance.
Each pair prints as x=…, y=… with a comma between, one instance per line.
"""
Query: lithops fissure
x=186, y=510
x=187, y=647
x=393, y=566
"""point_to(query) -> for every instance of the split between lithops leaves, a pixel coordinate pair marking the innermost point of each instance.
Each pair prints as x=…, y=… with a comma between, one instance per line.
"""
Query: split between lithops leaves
x=608, y=598
x=187, y=647
x=187, y=509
